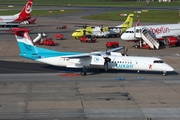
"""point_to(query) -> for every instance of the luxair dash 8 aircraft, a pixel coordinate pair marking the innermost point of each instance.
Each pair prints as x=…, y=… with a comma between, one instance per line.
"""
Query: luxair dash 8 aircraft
x=101, y=31
x=19, y=17
x=101, y=59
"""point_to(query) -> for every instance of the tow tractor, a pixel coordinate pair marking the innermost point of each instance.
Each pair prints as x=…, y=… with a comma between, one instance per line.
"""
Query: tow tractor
x=58, y=36
x=112, y=44
x=47, y=42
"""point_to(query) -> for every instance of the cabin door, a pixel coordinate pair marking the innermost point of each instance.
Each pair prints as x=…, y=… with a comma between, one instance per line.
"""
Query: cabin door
x=137, y=32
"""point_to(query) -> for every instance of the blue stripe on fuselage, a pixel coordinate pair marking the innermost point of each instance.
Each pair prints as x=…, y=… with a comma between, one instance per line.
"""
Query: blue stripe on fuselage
x=34, y=52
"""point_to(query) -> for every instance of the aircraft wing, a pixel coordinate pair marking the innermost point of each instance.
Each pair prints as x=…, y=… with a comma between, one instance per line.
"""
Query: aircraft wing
x=98, y=53
x=116, y=27
x=115, y=49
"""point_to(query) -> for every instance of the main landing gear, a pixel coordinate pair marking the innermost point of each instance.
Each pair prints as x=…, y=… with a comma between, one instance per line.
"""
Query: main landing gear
x=83, y=73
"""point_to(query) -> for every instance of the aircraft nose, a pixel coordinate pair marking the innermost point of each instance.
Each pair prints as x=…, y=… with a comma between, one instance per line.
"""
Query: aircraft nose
x=124, y=37
x=73, y=34
x=169, y=68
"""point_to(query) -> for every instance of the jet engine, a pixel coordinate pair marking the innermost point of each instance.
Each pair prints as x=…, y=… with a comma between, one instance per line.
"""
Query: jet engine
x=171, y=41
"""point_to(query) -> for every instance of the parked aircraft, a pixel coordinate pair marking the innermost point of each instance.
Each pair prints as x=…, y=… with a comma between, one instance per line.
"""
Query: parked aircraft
x=19, y=17
x=153, y=35
x=7, y=26
x=101, y=31
x=102, y=59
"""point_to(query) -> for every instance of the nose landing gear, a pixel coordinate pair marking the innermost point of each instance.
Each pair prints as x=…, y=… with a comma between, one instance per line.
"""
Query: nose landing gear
x=164, y=73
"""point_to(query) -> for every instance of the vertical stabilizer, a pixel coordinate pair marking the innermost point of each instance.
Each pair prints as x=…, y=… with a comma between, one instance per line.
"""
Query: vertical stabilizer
x=138, y=22
x=128, y=23
x=25, y=43
x=25, y=14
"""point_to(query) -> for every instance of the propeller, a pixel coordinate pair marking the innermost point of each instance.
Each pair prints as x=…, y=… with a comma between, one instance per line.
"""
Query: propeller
x=84, y=32
x=106, y=61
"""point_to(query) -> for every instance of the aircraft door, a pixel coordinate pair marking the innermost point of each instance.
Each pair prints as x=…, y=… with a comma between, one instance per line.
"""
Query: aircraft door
x=63, y=61
x=136, y=65
x=137, y=32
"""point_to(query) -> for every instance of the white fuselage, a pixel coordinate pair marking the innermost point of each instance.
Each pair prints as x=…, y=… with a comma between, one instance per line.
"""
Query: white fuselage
x=160, y=31
x=10, y=18
x=117, y=62
x=108, y=32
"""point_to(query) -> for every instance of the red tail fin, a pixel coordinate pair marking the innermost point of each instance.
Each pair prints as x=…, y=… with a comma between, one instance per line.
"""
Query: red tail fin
x=138, y=23
x=25, y=14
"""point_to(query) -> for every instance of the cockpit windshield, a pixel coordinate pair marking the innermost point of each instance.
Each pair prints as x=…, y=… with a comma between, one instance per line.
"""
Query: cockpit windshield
x=129, y=31
x=158, y=61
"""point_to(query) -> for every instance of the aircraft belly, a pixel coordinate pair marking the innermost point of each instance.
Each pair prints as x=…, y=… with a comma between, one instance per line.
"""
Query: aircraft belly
x=51, y=61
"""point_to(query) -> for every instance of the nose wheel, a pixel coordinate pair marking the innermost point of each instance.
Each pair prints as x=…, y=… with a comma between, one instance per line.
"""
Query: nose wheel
x=164, y=73
x=83, y=73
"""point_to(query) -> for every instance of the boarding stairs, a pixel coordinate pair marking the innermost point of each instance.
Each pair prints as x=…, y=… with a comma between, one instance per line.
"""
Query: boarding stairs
x=149, y=38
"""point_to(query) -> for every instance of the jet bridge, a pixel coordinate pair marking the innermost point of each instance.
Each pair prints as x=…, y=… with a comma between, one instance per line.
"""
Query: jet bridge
x=148, y=37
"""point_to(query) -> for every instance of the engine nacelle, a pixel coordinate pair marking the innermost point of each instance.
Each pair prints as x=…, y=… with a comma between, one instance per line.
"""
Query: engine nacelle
x=171, y=41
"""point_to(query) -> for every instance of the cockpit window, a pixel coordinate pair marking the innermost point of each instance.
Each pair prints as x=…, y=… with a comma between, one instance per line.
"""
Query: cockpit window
x=129, y=31
x=158, y=61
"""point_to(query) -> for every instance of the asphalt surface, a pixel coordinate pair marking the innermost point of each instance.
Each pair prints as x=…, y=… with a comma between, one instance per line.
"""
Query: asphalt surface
x=33, y=91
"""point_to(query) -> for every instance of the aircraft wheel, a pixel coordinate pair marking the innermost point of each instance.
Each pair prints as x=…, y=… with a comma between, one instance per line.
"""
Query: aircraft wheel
x=105, y=66
x=164, y=74
x=83, y=73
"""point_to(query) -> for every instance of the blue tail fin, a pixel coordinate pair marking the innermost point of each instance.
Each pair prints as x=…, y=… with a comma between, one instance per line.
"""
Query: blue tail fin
x=25, y=43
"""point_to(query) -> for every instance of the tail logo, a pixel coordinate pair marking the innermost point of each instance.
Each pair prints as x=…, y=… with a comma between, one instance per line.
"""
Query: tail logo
x=127, y=23
x=28, y=7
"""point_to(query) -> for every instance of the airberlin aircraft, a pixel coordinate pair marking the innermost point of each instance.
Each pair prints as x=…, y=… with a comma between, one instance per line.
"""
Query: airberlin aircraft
x=19, y=17
x=167, y=33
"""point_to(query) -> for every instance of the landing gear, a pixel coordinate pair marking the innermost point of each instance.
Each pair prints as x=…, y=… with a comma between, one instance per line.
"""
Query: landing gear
x=164, y=73
x=105, y=66
x=83, y=73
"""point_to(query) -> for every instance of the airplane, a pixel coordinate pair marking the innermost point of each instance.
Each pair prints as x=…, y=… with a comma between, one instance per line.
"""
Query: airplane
x=101, y=31
x=7, y=26
x=155, y=36
x=110, y=59
x=19, y=17
x=30, y=21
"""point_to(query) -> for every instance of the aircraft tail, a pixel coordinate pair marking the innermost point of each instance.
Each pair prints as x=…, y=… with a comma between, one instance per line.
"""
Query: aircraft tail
x=138, y=22
x=25, y=14
x=29, y=50
x=128, y=23
x=26, y=46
